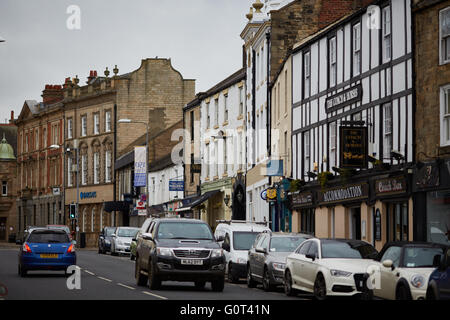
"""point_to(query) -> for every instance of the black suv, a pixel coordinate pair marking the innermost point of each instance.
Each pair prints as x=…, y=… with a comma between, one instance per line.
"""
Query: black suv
x=179, y=250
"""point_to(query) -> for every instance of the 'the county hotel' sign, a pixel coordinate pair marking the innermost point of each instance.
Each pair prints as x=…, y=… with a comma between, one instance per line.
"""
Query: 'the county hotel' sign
x=347, y=193
x=343, y=98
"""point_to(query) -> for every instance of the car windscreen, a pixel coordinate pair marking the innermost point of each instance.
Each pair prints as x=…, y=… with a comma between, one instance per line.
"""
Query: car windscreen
x=109, y=231
x=347, y=250
x=48, y=237
x=420, y=257
x=243, y=240
x=184, y=230
x=285, y=244
x=127, y=233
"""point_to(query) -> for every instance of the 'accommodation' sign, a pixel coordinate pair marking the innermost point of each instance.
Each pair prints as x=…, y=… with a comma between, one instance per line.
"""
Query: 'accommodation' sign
x=348, y=193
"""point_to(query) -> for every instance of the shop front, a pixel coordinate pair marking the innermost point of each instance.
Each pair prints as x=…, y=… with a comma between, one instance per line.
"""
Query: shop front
x=431, y=187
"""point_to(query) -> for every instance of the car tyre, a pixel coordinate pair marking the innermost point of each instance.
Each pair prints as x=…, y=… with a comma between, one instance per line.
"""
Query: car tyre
x=320, y=288
x=231, y=278
x=266, y=281
x=22, y=271
x=367, y=295
x=250, y=282
x=153, y=281
x=200, y=284
x=113, y=251
x=141, y=280
x=403, y=293
x=288, y=290
x=218, y=285
x=430, y=294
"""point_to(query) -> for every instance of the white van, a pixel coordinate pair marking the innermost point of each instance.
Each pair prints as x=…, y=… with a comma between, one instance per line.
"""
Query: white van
x=236, y=238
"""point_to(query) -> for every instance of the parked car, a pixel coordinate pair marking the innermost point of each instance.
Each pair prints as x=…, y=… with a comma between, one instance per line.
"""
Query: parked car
x=121, y=240
x=406, y=268
x=267, y=257
x=330, y=267
x=21, y=239
x=236, y=239
x=46, y=249
x=105, y=238
x=138, y=237
x=60, y=227
x=439, y=282
x=180, y=250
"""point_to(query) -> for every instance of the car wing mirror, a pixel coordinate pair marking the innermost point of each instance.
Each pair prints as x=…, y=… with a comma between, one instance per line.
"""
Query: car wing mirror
x=220, y=238
x=311, y=256
x=226, y=247
x=147, y=236
x=388, y=264
x=437, y=261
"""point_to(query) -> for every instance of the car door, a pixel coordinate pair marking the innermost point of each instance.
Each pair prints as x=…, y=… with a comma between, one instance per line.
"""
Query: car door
x=227, y=243
x=144, y=247
x=309, y=269
x=299, y=264
x=260, y=257
x=444, y=281
x=252, y=252
x=389, y=276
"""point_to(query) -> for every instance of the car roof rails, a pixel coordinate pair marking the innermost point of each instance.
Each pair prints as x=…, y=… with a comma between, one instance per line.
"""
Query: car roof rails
x=265, y=223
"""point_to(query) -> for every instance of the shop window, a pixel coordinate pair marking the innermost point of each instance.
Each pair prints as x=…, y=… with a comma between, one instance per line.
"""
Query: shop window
x=308, y=221
x=397, y=222
x=438, y=217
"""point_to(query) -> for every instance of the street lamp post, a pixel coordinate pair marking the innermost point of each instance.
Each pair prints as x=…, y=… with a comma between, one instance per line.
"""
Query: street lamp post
x=146, y=158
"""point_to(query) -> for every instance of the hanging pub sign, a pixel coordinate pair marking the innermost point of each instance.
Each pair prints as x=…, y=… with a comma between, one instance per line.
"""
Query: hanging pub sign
x=353, y=147
x=303, y=199
x=271, y=194
x=390, y=186
x=343, y=194
x=344, y=98
x=427, y=176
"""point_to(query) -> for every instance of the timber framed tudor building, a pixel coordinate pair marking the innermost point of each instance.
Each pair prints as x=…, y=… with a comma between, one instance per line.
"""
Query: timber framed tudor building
x=356, y=74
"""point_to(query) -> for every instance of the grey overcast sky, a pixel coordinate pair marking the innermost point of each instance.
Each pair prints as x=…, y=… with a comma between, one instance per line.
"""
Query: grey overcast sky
x=200, y=36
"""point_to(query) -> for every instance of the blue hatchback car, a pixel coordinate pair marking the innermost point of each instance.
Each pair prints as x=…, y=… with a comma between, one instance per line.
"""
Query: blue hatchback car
x=45, y=249
x=439, y=281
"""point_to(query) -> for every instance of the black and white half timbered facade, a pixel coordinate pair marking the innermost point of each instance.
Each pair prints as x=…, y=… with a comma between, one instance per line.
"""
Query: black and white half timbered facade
x=352, y=126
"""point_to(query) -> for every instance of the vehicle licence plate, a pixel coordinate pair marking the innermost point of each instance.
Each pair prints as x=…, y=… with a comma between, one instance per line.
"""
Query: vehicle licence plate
x=192, y=262
x=49, y=256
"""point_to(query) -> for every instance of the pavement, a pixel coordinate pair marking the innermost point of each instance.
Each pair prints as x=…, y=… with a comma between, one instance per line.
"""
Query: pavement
x=106, y=277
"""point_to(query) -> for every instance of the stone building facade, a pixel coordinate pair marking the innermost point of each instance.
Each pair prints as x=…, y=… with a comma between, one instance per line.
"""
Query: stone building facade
x=40, y=160
x=8, y=180
x=432, y=146
x=154, y=93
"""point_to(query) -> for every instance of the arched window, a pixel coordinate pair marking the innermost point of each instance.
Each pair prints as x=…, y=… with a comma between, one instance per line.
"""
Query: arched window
x=92, y=219
x=84, y=220
x=101, y=220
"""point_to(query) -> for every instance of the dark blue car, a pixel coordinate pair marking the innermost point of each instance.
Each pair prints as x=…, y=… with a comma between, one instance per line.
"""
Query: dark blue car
x=45, y=249
x=105, y=238
x=439, y=281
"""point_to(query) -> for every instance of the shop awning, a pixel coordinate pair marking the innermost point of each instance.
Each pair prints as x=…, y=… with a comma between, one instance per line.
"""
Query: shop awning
x=198, y=201
x=110, y=206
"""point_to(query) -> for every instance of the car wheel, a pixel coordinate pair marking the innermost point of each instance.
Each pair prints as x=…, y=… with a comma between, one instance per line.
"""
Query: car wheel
x=430, y=294
x=218, y=285
x=99, y=250
x=153, y=280
x=231, y=278
x=141, y=280
x=288, y=285
x=113, y=251
x=266, y=280
x=403, y=293
x=250, y=282
x=22, y=271
x=200, y=284
x=367, y=295
x=320, y=288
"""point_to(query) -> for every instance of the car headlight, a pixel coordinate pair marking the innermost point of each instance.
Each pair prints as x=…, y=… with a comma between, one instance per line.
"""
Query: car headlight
x=217, y=253
x=340, y=273
x=241, y=261
x=417, y=280
x=164, y=252
x=107, y=241
x=279, y=266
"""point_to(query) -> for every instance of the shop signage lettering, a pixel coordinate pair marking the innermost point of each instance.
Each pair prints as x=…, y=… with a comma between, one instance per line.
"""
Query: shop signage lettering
x=343, y=194
x=302, y=199
x=393, y=185
x=88, y=195
x=353, y=145
x=344, y=98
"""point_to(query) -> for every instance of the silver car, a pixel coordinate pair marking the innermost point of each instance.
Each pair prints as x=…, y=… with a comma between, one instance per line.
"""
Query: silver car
x=121, y=240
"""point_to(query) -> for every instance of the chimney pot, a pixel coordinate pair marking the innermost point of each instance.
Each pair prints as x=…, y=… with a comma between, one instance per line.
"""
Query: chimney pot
x=12, y=114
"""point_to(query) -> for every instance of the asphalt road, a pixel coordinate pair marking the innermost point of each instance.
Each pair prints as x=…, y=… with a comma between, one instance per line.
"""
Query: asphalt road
x=106, y=277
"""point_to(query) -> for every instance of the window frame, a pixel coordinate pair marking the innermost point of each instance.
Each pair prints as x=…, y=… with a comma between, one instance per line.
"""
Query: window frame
x=96, y=121
x=356, y=51
x=108, y=127
x=332, y=63
x=4, y=185
x=443, y=49
x=385, y=133
x=444, y=104
x=84, y=125
x=384, y=35
x=306, y=75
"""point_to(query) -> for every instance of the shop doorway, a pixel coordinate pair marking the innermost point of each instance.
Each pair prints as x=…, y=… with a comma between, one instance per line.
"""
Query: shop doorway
x=355, y=223
x=397, y=224
x=2, y=229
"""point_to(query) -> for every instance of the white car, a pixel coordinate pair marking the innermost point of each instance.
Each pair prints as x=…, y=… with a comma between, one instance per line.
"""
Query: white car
x=405, y=268
x=121, y=240
x=330, y=267
x=236, y=238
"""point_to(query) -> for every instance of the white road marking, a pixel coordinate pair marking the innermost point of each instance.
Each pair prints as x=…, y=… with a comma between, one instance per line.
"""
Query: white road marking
x=104, y=279
x=122, y=285
x=154, y=295
x=91, y=273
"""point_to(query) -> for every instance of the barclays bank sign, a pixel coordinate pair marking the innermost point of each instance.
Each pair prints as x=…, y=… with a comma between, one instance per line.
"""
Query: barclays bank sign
x=88, y=195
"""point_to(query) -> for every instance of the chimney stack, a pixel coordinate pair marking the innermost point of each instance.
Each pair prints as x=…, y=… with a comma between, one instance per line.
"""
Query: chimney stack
x=51, y=94
x=92, y=76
